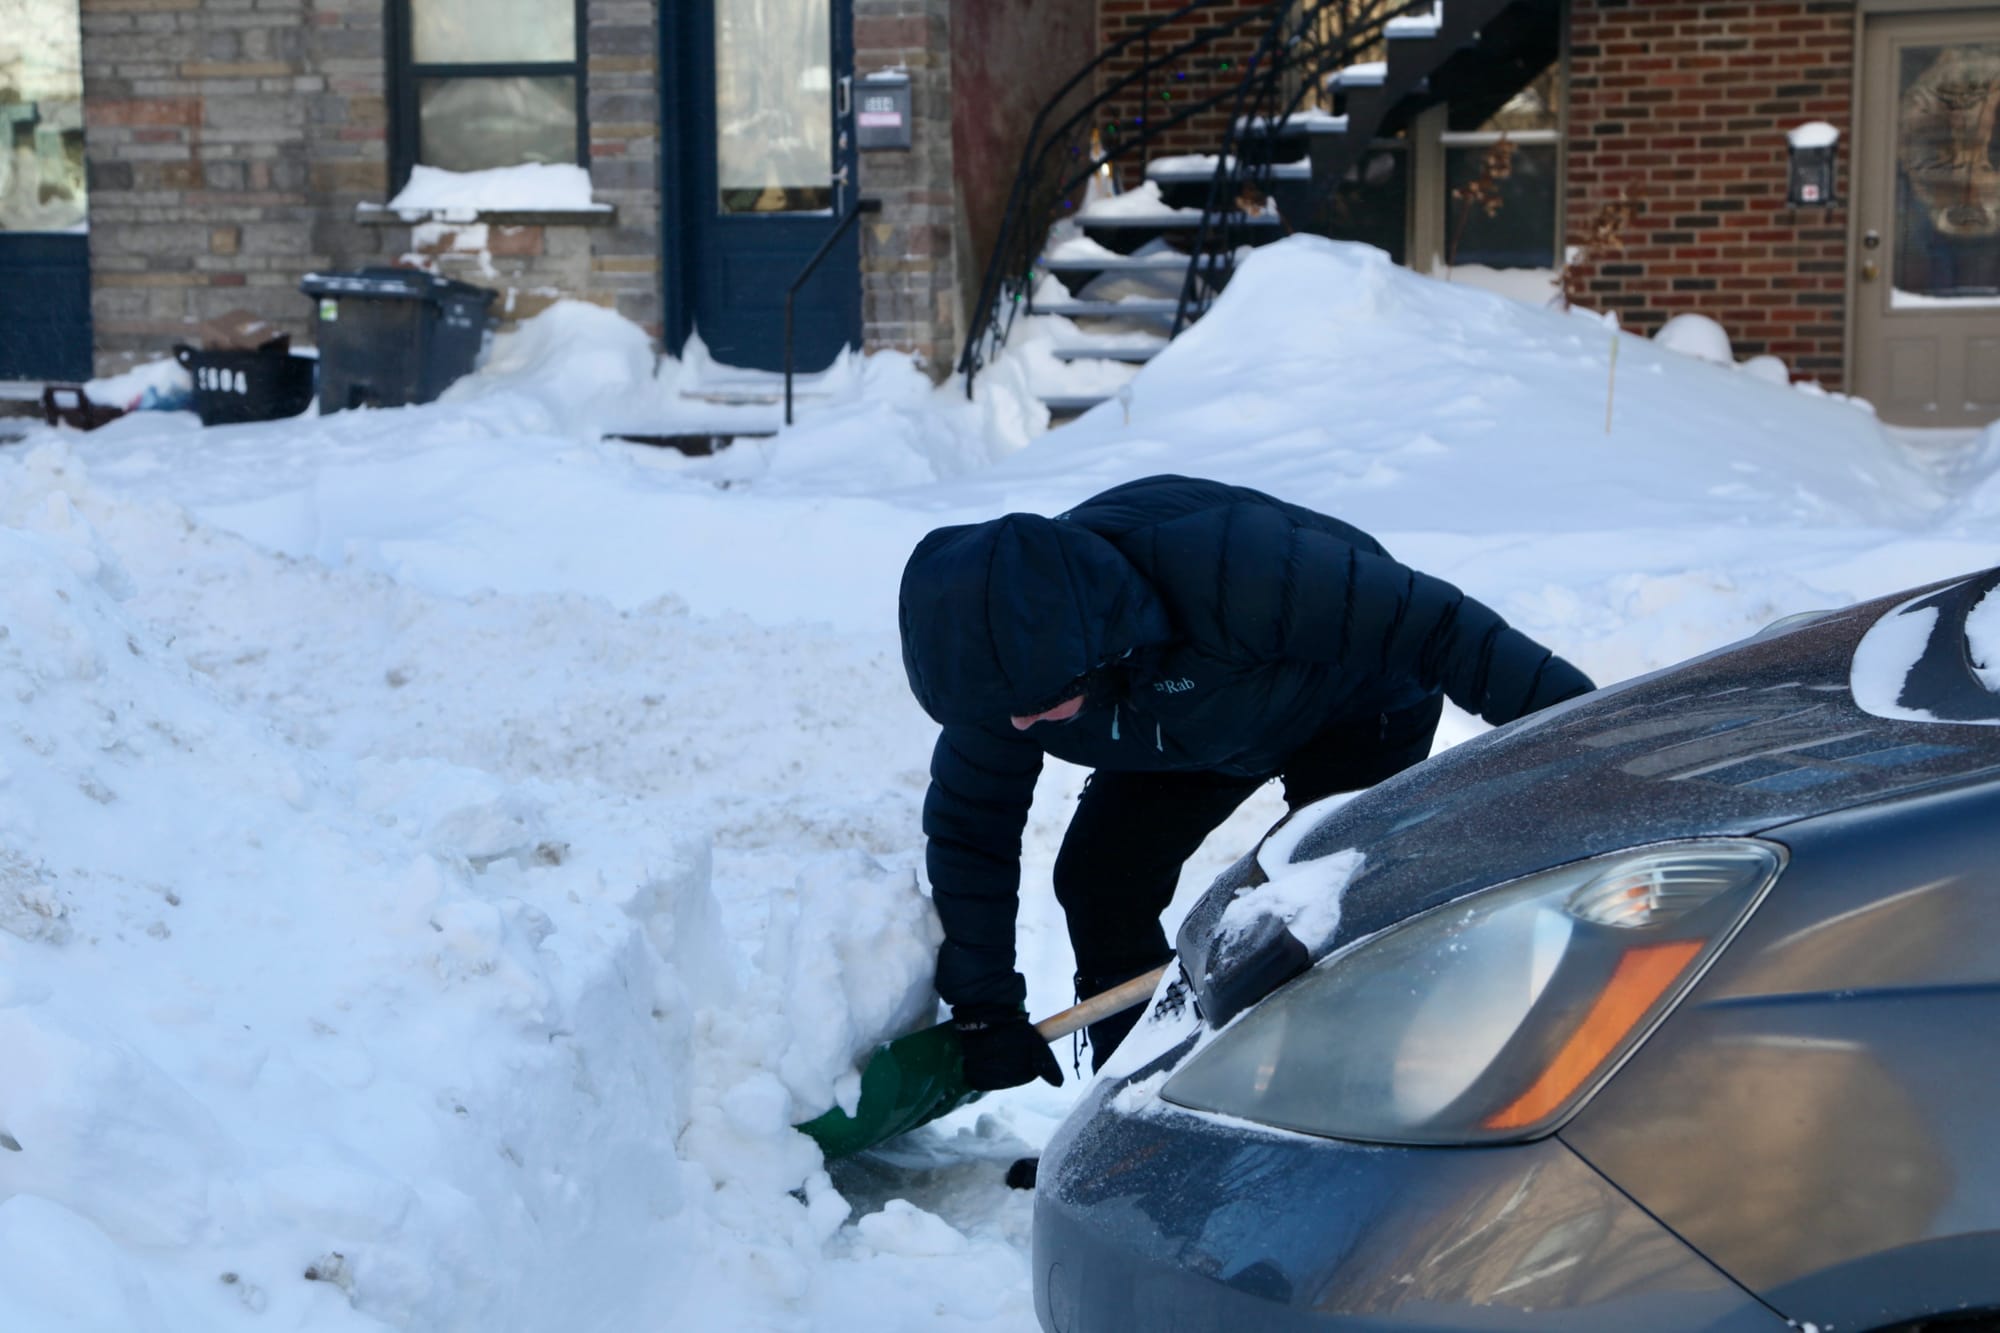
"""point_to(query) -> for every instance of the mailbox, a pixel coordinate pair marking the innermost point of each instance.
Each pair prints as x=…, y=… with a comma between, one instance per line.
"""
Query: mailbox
x=1810, y=180
x=882, y=110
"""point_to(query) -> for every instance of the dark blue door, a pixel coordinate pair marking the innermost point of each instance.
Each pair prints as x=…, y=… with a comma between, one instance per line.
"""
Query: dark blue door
x=44, y=306
x=767, y=143
x=44, y=253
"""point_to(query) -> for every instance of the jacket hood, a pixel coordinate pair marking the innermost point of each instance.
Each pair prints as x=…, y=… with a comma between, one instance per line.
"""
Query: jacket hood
x=999, y=618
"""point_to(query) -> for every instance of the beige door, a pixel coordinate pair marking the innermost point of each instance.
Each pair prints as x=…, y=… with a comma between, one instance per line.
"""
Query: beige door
x=1927, y=198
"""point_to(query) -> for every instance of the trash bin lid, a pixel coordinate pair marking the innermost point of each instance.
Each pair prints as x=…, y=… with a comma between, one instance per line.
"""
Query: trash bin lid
x=409, y=284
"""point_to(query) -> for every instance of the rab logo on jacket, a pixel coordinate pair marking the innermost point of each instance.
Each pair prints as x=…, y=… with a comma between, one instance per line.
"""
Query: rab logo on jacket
x=1181, y=686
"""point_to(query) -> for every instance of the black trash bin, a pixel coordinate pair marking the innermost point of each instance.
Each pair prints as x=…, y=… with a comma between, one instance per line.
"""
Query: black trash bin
x=392, y=336
x=239, y=384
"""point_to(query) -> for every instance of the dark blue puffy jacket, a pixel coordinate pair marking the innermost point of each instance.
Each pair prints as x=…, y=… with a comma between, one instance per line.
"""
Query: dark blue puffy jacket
x=1232, y=625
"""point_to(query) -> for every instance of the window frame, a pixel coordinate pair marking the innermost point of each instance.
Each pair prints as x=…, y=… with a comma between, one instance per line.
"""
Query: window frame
x=406, y=74
x=1430, y=203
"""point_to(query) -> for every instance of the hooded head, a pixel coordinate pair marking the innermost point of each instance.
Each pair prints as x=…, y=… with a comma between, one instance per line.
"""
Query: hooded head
x=1000, y=618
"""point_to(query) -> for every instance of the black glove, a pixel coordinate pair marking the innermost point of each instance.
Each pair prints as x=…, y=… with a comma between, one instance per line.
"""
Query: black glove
x=1002, y=1048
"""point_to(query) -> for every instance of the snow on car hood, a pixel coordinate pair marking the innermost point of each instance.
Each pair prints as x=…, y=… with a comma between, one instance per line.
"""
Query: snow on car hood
x=1752, y=736
x=1935, y=658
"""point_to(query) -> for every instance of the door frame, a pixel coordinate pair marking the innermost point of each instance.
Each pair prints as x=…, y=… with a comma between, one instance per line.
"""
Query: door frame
x=684, y=27
x=1870, y=16
x=677, y=247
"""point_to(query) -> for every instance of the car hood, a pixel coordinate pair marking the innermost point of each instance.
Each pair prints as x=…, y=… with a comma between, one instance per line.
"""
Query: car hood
x=1739, y=741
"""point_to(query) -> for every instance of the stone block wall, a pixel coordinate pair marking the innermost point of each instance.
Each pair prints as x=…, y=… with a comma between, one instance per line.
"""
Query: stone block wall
x=232, y=145
x=535, y=259
x=910, y=265
x=227, y=143
x=1684, y=108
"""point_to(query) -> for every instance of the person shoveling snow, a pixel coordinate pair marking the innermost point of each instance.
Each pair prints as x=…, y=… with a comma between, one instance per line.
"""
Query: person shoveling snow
x=1187, y=641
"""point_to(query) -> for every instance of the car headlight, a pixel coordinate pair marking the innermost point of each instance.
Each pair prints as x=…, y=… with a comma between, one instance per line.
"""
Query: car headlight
x=1491, y=1018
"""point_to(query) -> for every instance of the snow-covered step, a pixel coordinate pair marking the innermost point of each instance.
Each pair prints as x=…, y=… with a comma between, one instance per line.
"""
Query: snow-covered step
x=1179, y=219
x=1138, y=305
x=1416, y=25
x=1186, y=181
x=1085, y=352
x=1124, y=222
x=1298, y=125
x=1367, y=74
x=1072, y=404
x=1126, y=266
x=1127, y=233
x=1201, y=169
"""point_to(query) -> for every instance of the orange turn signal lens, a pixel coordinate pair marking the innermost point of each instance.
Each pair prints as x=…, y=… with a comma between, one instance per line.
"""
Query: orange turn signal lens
x=1641, y=977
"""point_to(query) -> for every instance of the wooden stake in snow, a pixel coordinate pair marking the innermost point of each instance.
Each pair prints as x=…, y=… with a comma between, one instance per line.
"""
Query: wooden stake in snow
x=1611, y=382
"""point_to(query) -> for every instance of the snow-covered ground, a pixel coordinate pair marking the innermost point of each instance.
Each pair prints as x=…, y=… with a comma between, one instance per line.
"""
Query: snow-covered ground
x=442, y=851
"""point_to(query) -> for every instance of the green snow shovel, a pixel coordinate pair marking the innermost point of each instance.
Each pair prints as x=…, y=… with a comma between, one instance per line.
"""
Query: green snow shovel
x=917, y=1078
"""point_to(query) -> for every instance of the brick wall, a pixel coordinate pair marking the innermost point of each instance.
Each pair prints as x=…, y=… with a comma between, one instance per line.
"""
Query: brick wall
x=1686, y=106
x=230, y=143
x=1009, y=57
x=909, y=265
x=1200, y=74
x=536, y=260
x=227, y=143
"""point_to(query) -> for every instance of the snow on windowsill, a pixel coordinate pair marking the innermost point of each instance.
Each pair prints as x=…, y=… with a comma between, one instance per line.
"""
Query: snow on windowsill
x=531, y=192
x=1903, y=300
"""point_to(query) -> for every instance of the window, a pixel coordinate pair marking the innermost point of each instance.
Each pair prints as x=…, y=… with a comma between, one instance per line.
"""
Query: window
x=774, y=122
x=41, y=120
x=1947, y=173
x=1372, y=204
x=487, y=83
x=1511, y=161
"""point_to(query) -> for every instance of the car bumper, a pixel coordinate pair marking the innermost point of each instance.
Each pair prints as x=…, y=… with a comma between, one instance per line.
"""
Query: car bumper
x=1149, y=1217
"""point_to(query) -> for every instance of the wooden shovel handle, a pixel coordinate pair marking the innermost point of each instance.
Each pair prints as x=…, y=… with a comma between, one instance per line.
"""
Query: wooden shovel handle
x=1102, y=1005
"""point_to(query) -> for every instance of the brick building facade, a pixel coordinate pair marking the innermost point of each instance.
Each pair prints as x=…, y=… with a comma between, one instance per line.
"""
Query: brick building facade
x=1210, y=73
x=1682, y=108
x=233, y=146
x=236, y=145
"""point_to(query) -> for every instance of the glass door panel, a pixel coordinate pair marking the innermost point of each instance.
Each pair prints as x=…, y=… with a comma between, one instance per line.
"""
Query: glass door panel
x=773, y=106
x=1946, y=215
x=41, y=117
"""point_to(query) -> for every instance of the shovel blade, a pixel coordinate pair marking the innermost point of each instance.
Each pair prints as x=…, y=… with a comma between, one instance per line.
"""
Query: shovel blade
x=906, y=1083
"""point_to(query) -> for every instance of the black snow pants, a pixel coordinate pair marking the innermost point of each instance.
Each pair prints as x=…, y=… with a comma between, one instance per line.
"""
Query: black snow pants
x=1121, y=857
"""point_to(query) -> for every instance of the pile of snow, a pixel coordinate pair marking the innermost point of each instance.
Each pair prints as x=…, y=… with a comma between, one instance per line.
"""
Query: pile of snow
x=540, y=187
x=445, y=849
x=153, y=383
x=1697, y=336
x=364, y=1042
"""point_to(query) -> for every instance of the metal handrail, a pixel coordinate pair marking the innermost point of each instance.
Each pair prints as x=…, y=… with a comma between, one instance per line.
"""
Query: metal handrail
x=859, y=207
x=1297, y=37
x=989, y=323
x=1266, y=100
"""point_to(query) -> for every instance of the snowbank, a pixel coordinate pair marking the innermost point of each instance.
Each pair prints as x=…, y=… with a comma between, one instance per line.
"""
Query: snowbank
x=381, y=1042
x=442, y=851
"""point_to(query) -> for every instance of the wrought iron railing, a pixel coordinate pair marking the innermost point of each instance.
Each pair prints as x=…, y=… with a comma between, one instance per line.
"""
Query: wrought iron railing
x=1303, y=47
x=1155, y=88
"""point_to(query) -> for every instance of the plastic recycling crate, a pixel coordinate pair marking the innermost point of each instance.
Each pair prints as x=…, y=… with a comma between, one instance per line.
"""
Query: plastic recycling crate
x=234, y=385
x=393, y=336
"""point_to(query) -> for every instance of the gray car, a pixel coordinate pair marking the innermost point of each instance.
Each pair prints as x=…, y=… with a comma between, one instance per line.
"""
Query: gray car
x=1674, y=1007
